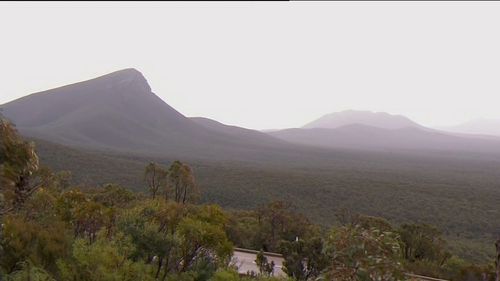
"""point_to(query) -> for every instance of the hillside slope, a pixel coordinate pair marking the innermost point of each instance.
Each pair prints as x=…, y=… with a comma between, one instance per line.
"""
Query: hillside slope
x=119, y=111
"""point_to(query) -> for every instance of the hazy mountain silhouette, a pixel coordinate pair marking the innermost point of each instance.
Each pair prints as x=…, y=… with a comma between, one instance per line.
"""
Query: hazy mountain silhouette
x=119, y=111
x=358, y=136
x=477, y=126
x=368, y=118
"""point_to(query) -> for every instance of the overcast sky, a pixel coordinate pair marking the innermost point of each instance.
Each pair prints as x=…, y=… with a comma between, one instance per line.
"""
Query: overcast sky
x=267, y=65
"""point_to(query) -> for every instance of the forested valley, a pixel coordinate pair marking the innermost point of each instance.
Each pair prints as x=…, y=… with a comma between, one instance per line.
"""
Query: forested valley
x=54, y=230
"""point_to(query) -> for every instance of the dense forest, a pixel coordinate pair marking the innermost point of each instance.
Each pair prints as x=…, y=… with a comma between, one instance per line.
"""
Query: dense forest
x=459, y=195
x=51, y=229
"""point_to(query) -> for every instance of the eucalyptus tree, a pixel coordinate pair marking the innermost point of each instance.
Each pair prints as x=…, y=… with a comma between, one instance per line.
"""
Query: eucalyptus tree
x=155, y=176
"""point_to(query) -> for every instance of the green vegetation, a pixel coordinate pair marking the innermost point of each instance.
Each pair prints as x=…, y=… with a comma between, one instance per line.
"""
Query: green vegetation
x=375, y=256
x=457, y=193
x=53, y=230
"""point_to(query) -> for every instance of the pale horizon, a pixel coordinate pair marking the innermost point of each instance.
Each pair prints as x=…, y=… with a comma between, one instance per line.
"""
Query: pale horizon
x=268, y=66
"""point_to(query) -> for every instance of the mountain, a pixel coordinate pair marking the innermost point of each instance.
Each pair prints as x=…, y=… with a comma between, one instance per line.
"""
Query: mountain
x=364, y=137
x=118, y=111
x=478, y=126
x=368, y=130
x=368, y=118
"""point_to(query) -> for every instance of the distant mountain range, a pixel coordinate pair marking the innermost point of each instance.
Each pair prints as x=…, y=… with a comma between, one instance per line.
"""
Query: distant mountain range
x=357, y=136
x=119, y=112
x=381, y=131
x=373, y=119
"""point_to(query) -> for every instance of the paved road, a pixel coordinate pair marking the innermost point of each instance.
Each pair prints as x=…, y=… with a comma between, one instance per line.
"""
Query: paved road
x=245, y=261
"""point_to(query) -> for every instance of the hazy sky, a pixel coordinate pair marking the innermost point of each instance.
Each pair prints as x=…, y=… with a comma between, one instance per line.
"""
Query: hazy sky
x=267, y=65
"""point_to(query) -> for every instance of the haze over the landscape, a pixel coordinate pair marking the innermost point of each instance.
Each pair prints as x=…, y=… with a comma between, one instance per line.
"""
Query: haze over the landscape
x=107, y=128
x=345, y=141
x=298, y=62
x=119, y=111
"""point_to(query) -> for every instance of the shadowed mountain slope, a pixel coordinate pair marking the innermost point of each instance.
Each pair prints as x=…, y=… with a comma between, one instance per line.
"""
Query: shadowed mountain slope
x=119, y=111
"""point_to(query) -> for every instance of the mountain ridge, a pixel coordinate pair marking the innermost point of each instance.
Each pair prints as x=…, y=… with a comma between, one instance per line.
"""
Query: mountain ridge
x=119, y=111
x=358, y=136
x=369, y=118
